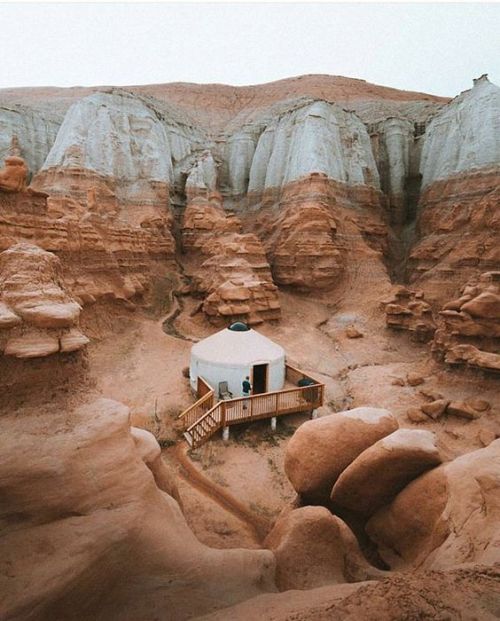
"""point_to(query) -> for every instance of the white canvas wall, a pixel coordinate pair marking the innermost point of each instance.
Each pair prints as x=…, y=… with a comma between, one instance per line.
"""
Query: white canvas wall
x=234, y=374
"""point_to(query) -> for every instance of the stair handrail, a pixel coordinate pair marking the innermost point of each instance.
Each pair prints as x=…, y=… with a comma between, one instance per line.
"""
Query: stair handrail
x=209, y=397
x=208, y=413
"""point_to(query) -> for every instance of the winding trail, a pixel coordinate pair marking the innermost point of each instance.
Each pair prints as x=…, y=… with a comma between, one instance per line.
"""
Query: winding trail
x=257, y=525
x=168, y=322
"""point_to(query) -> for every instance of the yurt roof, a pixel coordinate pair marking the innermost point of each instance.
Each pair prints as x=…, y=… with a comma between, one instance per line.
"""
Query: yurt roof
x=232, y=347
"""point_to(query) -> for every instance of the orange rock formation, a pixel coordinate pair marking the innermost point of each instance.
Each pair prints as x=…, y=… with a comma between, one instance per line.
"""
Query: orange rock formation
x=469, y=330
x=37, y=315
x=13, y=175
x=407, y=310
x=233, y=273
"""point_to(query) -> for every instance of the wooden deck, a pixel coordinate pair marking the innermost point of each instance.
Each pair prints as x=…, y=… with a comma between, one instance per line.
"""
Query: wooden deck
x=207, y=415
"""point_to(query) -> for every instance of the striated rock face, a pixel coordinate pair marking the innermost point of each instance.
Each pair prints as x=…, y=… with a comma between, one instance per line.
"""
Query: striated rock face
x=205, y=219
x=469, y=329
x=316, y=137
x=464, y=135
x=445, y=517
x=202, y=178
x=96, y=537
x=117, y=143
x=38, y=317
x=407, y=310
x=232, y=271
x=128, y=155
x=318, y=226
x=304, y=250
x=397, y=152
x=458, y=220
x=292, y=141
x=102, y=257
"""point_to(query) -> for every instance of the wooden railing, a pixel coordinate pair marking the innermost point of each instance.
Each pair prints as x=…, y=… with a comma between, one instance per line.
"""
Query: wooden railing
x=205, y=402
x=205, y=417
x=207, y=425
x=271, y=404
x=294, y=375
x=255, y=407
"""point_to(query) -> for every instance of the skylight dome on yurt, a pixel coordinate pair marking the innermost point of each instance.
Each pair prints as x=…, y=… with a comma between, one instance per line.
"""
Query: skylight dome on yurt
x=235, y=353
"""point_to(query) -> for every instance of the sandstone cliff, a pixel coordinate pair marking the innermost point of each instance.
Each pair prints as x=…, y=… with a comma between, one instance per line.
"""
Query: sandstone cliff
x=458, y=220
x=302, y=138
x=137, y=156
x=102, y=258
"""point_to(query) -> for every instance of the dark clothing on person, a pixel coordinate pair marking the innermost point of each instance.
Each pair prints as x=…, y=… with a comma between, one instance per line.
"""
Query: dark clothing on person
x=246, y=387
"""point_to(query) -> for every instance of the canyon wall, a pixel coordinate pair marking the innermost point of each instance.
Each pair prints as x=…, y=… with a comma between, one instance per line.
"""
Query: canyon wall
x=304, y=137
x=317, y=167
x=129, y=188
x=458, y=220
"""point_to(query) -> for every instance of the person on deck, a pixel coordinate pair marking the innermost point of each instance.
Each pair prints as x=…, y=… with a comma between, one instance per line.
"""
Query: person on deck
x=246, y=388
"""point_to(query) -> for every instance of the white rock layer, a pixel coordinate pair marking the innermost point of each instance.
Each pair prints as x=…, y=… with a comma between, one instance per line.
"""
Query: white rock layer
x=395, y=137
x=203, y=175
x=465, y=135
x=124, y=137
x=32, y=134
x=319, y=137
x=304, y=137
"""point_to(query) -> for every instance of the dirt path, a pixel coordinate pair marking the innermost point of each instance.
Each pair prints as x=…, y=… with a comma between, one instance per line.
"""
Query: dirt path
x=258, y=526
x=167, y=323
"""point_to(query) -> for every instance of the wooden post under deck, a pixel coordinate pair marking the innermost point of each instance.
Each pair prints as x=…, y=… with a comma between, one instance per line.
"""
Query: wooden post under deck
x=223, y=413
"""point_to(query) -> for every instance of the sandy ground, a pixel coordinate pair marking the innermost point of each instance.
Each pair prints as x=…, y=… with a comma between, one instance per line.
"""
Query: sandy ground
x=142, y=367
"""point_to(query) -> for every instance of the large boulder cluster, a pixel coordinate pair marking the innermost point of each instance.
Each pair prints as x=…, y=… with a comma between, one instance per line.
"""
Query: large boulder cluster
x=321, y=449
x=391, y=487
x=357, y=460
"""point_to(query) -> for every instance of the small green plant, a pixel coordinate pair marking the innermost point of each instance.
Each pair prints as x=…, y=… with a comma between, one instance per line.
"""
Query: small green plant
x=167, y=443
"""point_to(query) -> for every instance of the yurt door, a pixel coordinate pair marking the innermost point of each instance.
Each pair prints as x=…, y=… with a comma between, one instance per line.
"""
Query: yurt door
x=259, y=378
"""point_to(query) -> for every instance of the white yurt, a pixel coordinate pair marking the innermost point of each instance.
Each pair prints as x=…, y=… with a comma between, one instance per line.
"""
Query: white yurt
x=234, y=353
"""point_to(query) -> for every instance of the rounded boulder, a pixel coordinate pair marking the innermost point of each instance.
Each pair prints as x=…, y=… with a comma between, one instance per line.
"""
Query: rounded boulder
x=321, y=449
x=374, y=478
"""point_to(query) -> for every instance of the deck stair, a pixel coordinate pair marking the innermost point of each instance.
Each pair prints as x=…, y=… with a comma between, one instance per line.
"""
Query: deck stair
x=206, y=416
